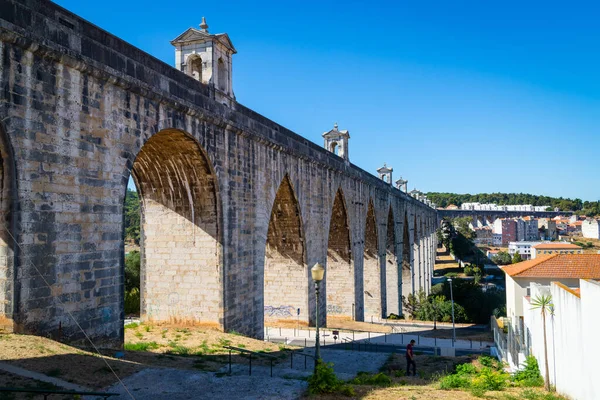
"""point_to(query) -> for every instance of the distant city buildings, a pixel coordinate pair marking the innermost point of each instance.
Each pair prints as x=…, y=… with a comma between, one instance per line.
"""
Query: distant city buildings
x=495, y=207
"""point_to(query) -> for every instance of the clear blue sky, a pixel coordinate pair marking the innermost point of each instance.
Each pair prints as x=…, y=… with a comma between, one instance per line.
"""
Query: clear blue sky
x=457, y=96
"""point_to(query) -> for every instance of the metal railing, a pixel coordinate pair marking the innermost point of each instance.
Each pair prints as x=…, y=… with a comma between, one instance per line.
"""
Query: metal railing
x=47, y=392
x=250, y=352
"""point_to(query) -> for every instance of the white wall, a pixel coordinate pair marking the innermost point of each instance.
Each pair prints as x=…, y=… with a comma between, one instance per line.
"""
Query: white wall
x=571, y=336
x=590, y=229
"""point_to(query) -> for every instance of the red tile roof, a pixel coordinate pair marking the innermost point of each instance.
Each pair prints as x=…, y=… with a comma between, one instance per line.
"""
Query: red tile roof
x=557, y=246
x=559, y=266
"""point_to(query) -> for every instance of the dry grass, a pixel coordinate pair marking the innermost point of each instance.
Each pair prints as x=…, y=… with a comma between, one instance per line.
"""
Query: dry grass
x=157, y=346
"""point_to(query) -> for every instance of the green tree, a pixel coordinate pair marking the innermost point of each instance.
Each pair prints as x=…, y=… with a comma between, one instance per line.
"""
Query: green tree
x=132, y=216
x=543, y=302
x=502, y=258
x=132, y=270
x=517, y=257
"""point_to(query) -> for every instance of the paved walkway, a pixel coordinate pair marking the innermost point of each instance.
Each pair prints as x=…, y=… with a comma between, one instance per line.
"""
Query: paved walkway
x=43, y=378
x=307, y=337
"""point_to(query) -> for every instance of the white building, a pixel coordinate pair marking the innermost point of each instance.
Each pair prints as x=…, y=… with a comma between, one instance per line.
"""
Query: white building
x=590, y=228
x=548, y=248
x=525, y=249
x=571, y=337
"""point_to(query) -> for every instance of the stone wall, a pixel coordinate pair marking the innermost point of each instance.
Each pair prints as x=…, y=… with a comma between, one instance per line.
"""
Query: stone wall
x=82, y=111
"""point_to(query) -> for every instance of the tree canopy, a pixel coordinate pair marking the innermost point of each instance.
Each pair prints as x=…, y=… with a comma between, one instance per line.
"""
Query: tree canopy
x=590, y=208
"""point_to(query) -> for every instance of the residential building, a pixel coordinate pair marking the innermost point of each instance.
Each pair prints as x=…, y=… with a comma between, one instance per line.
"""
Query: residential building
x=576, y=228
x=507, y=229
x=545, y=249
x=571, y=328
x=547, y=229
x=531, y=229
x=525, y=249
x=564, y=268
x=590, y=228
x=483, y=235
x=492, y=253
x=520, y=229
x=495, y=207
x=452, y=207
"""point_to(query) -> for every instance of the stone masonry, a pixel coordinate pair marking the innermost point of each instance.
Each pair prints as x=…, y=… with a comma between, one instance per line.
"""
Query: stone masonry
x=235, y=208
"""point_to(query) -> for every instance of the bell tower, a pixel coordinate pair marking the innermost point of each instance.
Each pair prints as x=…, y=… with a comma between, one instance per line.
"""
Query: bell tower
x=207, y=58
x=336, y=141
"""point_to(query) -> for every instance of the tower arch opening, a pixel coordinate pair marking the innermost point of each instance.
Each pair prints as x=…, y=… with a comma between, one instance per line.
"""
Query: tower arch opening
x=339, y=271
x=286, y=275
x=181, y=263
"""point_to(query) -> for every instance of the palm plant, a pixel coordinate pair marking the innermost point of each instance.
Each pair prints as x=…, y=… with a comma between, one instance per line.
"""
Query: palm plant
x=543, y=302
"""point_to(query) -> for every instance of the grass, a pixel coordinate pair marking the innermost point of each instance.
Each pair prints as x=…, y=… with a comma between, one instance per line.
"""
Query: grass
x=141, y=346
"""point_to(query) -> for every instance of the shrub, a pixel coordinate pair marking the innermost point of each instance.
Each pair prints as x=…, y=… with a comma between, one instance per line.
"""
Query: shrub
x=365, y=378
x=466, y=369
x=454, y=381
x=488, y=379
x=132, y=301
x=530, y=375
x=487, y=361
x=324, y=380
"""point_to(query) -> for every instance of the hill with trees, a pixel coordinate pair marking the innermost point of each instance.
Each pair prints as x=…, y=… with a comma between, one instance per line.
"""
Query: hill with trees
x=589, y=208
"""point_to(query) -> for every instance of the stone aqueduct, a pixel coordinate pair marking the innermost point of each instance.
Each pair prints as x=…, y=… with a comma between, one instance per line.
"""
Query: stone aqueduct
x=235, y=208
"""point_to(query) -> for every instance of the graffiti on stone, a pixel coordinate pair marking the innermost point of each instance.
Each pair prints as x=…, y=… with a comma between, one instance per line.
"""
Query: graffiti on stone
x=334, y=309
x=279, y=311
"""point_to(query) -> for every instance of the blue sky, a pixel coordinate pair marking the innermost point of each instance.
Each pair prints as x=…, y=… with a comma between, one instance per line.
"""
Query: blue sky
x=457, y=96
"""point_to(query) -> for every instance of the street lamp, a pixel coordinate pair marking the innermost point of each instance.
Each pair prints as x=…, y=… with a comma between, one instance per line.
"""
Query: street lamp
x=452, y=300
x=317, y=274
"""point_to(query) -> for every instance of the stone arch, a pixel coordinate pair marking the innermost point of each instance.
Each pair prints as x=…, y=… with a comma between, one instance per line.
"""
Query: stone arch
x=286, y=275
x=339, y=270
x=416, y=267
x=372, y=268
x=194, y=63
x=182, y=268
x=407, y=285
x=391, y=267
x=9, y=286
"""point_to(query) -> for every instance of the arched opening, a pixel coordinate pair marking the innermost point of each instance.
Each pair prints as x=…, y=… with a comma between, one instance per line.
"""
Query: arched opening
x=195, y=67
x=8, y=293
x=416, y=267
x=181, y=270
x=371, y=268
x=339, y=279
x=391, y=269
x=222, y=75
x=286, y=276
x=407, y=286
x=334, y=148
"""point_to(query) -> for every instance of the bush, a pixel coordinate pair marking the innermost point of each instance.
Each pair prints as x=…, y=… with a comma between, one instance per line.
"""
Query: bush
x=466, y=369
x=324, y=380
x=488, y=379
x=530, y=375
x=132, y=270
x=132, y=301
x=365, y=378
x=455, y=381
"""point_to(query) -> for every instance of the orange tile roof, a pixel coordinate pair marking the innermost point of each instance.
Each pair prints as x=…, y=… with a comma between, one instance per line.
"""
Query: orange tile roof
x=559, y=266
x=556, y=246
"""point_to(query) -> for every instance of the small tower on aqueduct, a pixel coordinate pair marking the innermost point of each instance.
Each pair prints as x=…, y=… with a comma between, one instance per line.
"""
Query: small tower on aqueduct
x=385, y=173
x=336, y=141
x=207, y=58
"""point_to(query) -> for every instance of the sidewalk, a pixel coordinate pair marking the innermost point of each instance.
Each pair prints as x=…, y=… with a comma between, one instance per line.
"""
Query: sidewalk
x=288, y=335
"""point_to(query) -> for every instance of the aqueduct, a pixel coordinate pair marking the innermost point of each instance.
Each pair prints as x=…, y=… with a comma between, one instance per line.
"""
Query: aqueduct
x=235, y=208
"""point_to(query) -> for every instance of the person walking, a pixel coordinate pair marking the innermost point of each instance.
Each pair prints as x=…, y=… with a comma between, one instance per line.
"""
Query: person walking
x=410, y=359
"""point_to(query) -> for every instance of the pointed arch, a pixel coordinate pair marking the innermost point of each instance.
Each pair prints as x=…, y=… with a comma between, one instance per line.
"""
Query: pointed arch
x=391, y=267
x=9, y=286
x=181, y=261
x=286, y=275
x=339, y=270
x=372, y=268
x=407, y=262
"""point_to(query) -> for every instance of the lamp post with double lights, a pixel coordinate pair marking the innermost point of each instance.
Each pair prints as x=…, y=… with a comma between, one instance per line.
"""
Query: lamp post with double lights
x=317, y=273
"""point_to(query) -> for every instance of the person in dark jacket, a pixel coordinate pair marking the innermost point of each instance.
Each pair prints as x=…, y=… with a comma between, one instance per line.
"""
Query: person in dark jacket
x=410, y=359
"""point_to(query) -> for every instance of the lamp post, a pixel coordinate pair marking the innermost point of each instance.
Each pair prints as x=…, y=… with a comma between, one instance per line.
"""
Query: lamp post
x=452, y=300
x=317, y=274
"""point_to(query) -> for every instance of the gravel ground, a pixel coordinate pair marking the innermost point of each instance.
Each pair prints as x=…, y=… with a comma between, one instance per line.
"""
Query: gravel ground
x=286, y=383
